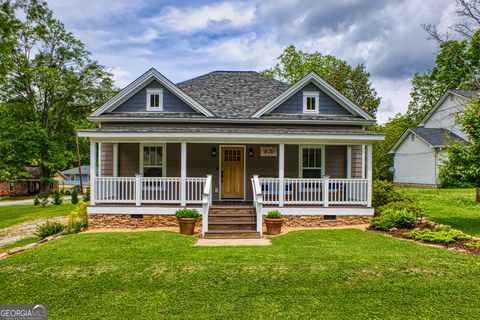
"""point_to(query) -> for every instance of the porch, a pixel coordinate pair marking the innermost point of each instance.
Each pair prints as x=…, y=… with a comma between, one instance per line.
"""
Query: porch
x=297, y=179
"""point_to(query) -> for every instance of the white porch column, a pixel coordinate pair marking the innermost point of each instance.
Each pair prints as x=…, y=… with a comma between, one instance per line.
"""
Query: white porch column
x=369, y=174
x=93, y=168
x=183, y=174
x=115, y=159
x=363, y=161
x=99, y=169
x=349, y=162
x=281, y=173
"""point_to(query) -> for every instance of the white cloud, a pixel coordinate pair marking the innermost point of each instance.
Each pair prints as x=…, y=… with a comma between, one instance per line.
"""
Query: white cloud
x=233, y=14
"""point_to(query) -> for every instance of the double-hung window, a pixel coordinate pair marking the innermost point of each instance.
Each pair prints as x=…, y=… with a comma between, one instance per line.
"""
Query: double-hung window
x=154, y=99
x=153, y=164
x=11, y=186
x=310, y=101
x=311, y=162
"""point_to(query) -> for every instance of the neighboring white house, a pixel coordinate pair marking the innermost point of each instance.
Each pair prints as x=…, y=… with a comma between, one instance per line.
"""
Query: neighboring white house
x=419, y=151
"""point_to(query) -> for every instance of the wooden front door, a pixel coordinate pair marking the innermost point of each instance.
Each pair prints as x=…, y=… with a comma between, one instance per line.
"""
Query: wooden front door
x=232, y=175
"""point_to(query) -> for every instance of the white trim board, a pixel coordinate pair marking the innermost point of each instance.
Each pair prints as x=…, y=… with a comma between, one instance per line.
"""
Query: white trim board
x=324, y=86
x=222, y=136
x=141, y=82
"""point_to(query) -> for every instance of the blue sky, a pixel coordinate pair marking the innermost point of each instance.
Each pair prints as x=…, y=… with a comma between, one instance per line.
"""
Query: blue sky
x=184, y=39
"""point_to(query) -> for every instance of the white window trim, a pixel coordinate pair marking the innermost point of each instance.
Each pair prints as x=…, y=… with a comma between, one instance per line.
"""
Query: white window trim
x=152, y=92
x=164, y=156
x=11, y=186
x=311, y=94
x=300, y=158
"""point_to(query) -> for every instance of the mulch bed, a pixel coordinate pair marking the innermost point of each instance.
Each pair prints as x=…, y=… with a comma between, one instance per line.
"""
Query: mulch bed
x=459, y=245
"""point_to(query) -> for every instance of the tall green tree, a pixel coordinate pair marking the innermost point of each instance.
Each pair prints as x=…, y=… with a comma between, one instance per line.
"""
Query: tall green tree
x=457, y=66
x=462, y=165
x=393, y=130
x=48, y=85
x=353, y=82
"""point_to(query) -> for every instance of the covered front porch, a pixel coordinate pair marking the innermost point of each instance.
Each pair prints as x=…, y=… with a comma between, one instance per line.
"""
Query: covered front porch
x=176, y=173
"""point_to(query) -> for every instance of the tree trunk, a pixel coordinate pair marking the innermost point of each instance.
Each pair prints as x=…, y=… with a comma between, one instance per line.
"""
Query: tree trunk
x=478, y=194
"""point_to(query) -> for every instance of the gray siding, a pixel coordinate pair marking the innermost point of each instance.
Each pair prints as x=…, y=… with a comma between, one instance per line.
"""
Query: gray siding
x=106, y=159
x=138, y=102
x=328, y=106
x=356, y=162
x=335, y=161
x=128, y=159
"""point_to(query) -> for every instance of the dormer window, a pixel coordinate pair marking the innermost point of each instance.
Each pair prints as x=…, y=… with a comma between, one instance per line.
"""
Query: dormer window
x=154, y=99
x=310, y=101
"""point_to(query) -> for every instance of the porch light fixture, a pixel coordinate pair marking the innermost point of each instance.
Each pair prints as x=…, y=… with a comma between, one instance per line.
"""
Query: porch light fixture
x=214, y=152
x=250, y=152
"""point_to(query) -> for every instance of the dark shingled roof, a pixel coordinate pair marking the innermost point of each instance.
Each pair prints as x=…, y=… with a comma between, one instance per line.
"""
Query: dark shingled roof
x=233, y=94
x=437, y=137
x=465, y=93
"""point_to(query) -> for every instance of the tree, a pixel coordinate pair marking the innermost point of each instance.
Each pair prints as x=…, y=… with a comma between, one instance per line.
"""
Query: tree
x=393, y=130
x=456, y=67
x=463, y=161
x=48, y=85
x=354, y=83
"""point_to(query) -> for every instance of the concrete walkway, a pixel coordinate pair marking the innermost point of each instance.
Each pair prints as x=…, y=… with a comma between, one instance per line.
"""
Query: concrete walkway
x=232, y=242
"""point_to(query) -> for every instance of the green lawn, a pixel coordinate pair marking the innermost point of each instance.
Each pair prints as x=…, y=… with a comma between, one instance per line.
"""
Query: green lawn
x=456, y=207
x=330, y=274
x=11, y=215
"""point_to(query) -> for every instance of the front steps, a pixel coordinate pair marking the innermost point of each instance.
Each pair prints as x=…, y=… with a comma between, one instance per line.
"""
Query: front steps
x=232, y=222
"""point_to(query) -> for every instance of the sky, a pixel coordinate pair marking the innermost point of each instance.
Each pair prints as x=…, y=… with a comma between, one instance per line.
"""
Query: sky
x=184, y=39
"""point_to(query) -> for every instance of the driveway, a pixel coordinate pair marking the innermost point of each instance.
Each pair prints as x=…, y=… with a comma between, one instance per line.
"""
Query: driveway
x=23, y=202
x=23, y=230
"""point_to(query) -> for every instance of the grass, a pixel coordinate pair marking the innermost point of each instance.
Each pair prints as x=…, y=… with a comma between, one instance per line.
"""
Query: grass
x=329, y=274
x=12, y=199
x=456, y=207
x=19, y=243
x=11, y=215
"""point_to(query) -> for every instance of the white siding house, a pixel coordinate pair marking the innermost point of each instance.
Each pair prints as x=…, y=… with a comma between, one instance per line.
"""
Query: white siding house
x=419, y=152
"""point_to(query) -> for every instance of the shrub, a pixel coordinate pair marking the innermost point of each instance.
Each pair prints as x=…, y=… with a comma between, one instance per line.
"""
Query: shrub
x=187, y=213
x=274, y=214
x=391, y=218
x=57, y=197
x=86, y=195
x=42, y=198
x=409, y=205
x=77, y=219
x=384, y=192
x=36, y=201
x=441, y=234
x=74, y=196
x=472, y=244
x=49, y=228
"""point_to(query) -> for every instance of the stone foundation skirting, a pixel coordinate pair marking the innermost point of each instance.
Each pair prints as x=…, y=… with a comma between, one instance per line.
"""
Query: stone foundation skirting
x=101, y=221
x=319, y=221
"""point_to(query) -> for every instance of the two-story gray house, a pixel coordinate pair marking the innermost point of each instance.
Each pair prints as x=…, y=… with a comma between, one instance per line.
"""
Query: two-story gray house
x=234, y=145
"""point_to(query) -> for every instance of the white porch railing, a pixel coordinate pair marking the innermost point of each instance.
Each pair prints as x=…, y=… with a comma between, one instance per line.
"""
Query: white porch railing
x=257, y=202
x=206, y=203
x=138, y=190
x=306, y=191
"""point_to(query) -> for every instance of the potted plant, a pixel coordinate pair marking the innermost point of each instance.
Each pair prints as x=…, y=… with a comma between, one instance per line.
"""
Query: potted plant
x=274, y=222
x=186, y=220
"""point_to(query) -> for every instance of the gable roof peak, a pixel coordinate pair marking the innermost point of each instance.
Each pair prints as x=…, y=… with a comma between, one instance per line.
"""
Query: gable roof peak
x=141, y=82
x=312, y=76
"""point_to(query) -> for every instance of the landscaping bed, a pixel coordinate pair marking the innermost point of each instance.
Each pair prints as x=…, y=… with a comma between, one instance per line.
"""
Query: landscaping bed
x=471, y=245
